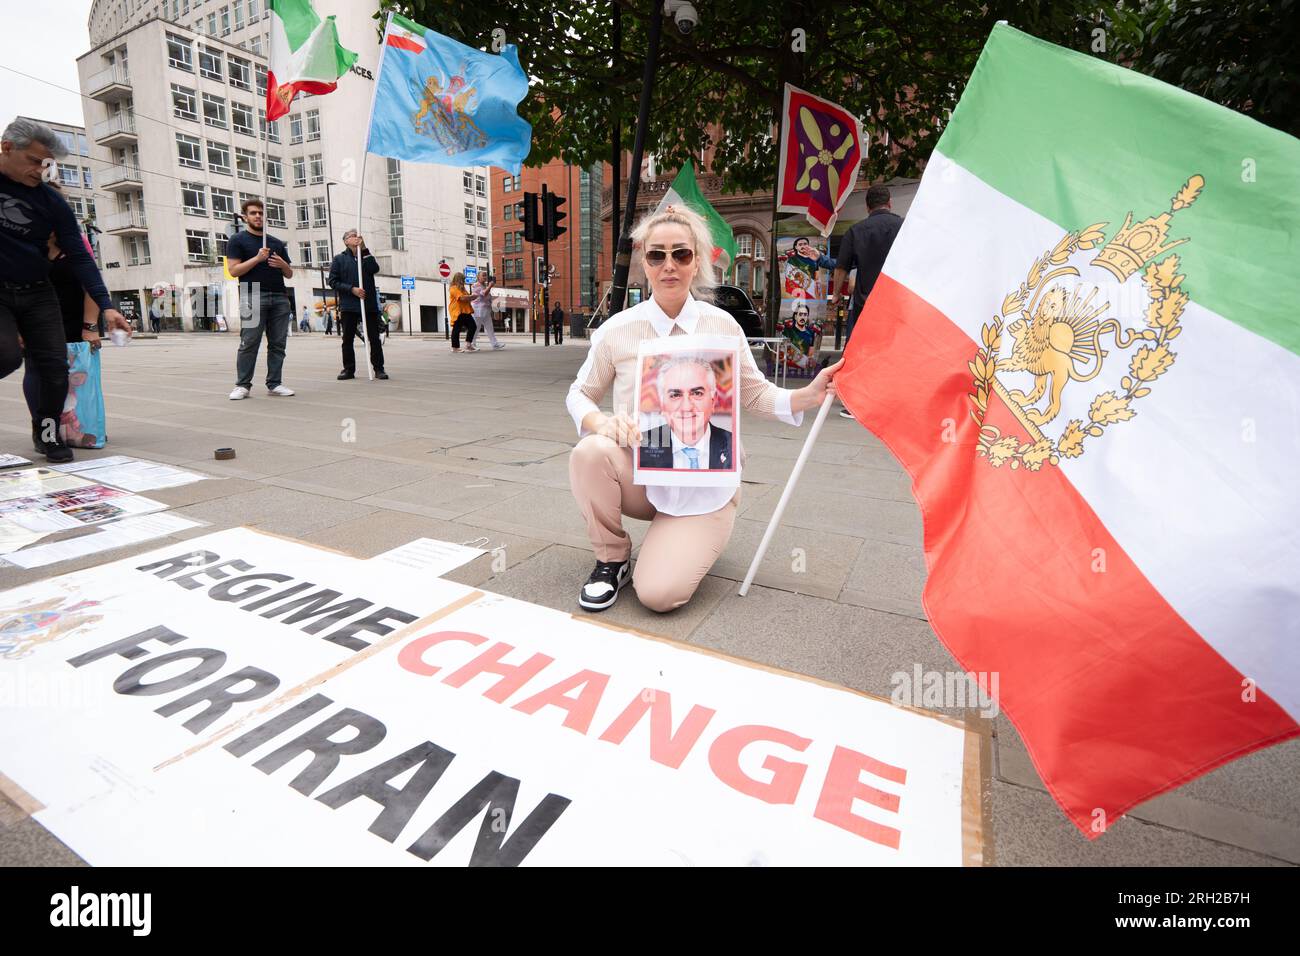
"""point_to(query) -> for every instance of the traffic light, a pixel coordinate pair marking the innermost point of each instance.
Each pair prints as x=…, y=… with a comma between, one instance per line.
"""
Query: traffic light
x=553, y=216
x=532, y=225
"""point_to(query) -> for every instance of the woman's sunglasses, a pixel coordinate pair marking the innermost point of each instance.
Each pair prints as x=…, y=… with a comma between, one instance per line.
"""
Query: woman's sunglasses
x=682, y=257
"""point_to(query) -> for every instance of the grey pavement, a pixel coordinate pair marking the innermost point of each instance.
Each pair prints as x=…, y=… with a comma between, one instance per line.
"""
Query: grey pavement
x=473, y=446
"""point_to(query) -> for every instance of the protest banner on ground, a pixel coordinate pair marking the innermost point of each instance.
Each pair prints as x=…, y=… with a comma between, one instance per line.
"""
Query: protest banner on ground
x=242, y=699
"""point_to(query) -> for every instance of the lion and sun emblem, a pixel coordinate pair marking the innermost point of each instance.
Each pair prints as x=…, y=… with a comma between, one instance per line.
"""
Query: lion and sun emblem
x=1059, y=333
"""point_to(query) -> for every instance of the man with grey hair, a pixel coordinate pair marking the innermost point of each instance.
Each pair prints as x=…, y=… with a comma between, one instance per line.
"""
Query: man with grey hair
x=688, y=393
x=350, y=290
x=32, y=215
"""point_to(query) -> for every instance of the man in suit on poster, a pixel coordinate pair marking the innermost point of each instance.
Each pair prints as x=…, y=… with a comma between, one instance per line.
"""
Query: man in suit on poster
x=688, y=393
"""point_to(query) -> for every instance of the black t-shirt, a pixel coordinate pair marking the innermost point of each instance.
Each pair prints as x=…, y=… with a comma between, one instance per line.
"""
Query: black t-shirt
x=244, y=246
x=28, y=214
x=71, y=298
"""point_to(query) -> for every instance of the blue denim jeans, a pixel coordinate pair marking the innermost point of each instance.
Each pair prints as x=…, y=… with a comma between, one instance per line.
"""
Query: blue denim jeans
x=270, y=315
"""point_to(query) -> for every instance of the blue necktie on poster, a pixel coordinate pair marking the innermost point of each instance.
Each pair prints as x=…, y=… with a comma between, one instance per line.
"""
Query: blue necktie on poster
x=440, y=101
x=692, y=457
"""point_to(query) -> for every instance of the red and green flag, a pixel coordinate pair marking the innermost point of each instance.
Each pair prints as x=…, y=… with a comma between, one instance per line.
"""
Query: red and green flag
x=306, y=56
x=685, y=191
x=1083, y=348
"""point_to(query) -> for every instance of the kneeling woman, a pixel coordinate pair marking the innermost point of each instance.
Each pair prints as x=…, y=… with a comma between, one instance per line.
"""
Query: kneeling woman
x=689, y=527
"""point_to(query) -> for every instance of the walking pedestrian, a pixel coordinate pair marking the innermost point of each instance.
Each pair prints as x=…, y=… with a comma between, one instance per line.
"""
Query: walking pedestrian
x=329, y=321
x=462, y=310
x=864, y=247
x=483, y=308
x=305, y=325
x=30, y=211
x=350, y=291
x=557, y=324
x=689, y=526
x=263, y=301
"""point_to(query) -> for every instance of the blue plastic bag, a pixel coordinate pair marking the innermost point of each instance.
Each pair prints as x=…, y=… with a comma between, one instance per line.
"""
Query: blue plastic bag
x=82, y=424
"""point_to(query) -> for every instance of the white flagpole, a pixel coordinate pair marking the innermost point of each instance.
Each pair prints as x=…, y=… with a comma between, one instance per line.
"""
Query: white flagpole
x=361, y=192
x=789, y=490
x=266, y=131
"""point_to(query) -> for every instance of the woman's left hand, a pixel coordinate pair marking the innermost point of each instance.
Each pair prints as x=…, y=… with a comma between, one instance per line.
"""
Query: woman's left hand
x=815, y=392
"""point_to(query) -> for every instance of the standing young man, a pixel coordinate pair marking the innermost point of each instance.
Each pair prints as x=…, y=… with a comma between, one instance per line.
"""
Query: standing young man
x=30, y=213
x=350, y=290
x=263, y=301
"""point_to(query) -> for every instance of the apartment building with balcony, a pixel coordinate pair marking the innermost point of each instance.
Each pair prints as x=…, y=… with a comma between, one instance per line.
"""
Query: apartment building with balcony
x=174, y=95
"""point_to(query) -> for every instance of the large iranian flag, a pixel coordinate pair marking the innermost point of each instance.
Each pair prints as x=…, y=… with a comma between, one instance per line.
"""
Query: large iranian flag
x=685, y=191
x=306, y=56
x=1083, y=347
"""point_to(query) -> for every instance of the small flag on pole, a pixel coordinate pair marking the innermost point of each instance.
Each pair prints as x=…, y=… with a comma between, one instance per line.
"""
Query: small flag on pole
x=306, y=56
x=821, y=149
x=685, y=191
x=440, y=101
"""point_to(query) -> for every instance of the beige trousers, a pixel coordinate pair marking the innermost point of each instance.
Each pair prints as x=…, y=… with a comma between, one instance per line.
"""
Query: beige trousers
x=677, y=552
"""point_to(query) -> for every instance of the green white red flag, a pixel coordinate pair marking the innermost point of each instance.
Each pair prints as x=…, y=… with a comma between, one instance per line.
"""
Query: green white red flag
x=306, y=56
x=685, y=191
x=1083, y=348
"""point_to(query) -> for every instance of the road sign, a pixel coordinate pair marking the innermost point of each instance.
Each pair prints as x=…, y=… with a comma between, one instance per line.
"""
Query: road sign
x=408, y=282
x=444, y=270
x=471, y=273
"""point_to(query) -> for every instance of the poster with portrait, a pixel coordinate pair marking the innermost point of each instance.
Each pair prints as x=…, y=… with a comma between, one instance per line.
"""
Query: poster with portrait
x=688, y=412
x=805, y=279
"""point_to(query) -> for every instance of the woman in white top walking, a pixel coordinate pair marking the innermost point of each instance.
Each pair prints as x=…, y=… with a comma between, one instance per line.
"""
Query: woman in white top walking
x=482, y=299
x=689, y=527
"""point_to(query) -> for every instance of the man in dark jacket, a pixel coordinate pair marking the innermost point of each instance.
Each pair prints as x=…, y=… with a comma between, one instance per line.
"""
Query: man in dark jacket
x=30, y=212
x=865, y=247
x=343, y=280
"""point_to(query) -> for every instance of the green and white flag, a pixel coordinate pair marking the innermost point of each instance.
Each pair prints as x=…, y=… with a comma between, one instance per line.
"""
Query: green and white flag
x=685, y=191
x=306, y=56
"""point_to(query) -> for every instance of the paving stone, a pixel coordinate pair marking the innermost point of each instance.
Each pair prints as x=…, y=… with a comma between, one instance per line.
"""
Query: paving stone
x=353, y=478
x=880, y=519
x=448, y=495
x=887, y=577
x=800, y=560
x=280, y=510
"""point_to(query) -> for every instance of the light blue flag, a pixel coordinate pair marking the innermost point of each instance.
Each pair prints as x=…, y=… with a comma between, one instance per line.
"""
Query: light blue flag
x=440, y=101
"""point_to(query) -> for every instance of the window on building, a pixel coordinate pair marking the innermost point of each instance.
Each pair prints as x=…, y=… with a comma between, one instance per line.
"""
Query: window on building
x=482, y=216
x=138, y=251
x=396, y=222
x=212, y=23
x=509, y=211
x=304, y=253
x=241, y=118
x=225, y=21
x=304, y=213
x=83, y=147
x=469, y=213
x=259, y=73
x=322, y=251
x=275, y=213
x=75, y=203
x=469, y=245
x=480, y=186
x=241, y=73
x=744, y=245
x=210, y=63
x=517, y=184
x=189, y=151
x=214, y=111
x=198, y=245
x=90, y=208
x=313, y=124
x=85, y=178
x=272, y=132
x=238, y=12
x=295, y=129
x=179, y=53
x=482, y=245
x=299, y=171
x=507, y=184
x=184, y=103
x=318, y=212
x=69, y=176
x=316, y=165
x=218, y=158
x=194, y=198
x=274, y=170
x=223, y=203
x=245, y=163
x=467, y=179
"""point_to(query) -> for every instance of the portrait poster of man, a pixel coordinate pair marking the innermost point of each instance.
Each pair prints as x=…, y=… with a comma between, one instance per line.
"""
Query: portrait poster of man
x=688, y=411
x=806, y=271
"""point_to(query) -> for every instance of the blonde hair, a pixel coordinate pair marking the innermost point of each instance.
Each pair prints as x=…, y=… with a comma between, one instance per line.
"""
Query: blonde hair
x=706, y=276
x=458, y=281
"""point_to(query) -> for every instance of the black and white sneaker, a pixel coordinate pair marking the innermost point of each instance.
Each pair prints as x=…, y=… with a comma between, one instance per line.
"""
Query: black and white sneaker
x=601, y=589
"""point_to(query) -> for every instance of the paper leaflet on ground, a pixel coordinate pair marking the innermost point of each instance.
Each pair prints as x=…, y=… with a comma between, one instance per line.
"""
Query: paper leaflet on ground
x=31, y=482
x=489, y=732
x=119, y=534
x=13, y=537
x=132, y=474
x=430, y=556
x=9, y=461
x=50, y=516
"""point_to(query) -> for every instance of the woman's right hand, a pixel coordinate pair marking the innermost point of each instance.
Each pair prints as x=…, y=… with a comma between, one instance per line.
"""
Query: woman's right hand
x=623, y=430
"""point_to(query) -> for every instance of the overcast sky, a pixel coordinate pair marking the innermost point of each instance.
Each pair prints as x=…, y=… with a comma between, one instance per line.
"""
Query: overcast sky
x=42, y=38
